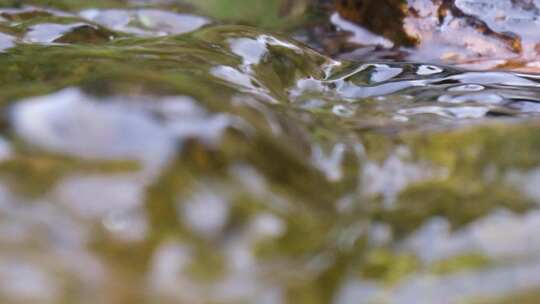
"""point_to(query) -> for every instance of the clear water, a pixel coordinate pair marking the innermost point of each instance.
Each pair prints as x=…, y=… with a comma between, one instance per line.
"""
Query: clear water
x=157, y=156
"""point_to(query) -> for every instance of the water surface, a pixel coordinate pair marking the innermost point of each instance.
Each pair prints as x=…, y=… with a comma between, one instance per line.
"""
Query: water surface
x=151, y=154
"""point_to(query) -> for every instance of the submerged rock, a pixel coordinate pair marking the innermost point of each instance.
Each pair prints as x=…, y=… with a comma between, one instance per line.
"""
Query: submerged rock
x=480, y=34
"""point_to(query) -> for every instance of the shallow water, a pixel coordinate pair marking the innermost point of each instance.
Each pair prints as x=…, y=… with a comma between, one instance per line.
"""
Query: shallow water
x=151, y=155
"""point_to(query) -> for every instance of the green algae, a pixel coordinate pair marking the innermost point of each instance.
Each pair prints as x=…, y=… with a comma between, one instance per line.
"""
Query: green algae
x=388, y=267
x=293, y=175
x=460, y=263
x=265, y=14
x=525, y=298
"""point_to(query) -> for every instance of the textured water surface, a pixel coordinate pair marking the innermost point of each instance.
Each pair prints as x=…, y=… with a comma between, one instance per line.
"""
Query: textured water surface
x=154, y=155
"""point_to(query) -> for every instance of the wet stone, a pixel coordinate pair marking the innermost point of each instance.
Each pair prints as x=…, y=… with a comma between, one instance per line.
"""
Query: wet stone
x=498, y=33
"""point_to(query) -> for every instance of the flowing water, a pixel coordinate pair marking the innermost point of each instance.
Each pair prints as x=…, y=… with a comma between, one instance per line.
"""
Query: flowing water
x=152, y=155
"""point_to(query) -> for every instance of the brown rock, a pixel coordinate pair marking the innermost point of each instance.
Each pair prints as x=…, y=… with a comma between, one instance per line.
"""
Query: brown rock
x=452, y=31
